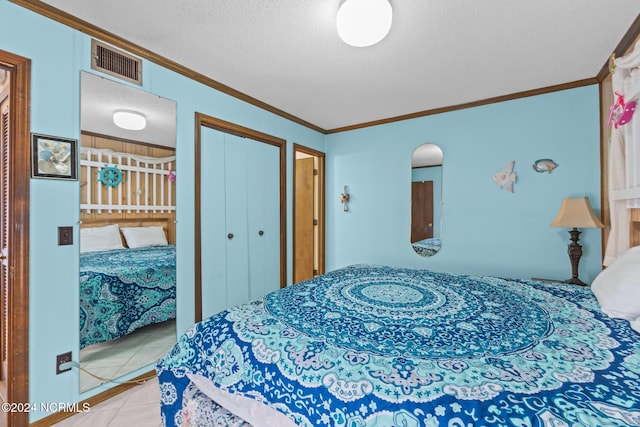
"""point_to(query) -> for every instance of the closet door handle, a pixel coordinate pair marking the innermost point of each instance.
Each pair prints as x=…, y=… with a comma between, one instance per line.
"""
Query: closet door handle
x=261, y=232
x=230, y=236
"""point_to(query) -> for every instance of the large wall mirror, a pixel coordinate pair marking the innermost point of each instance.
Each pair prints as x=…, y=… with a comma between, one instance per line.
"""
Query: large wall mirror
x=426, y=199
x=127, y=230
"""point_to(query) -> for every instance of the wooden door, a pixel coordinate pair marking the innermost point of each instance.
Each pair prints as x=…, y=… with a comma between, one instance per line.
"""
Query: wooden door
x=304, y=220
x=4, y=241
x=421, y=210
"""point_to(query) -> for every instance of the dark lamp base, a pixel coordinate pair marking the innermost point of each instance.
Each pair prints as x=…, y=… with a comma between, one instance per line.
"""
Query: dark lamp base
x=575, y=252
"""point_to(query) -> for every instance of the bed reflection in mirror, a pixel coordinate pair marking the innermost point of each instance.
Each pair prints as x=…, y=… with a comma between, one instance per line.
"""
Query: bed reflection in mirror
x=127, y=231
x=426, y=199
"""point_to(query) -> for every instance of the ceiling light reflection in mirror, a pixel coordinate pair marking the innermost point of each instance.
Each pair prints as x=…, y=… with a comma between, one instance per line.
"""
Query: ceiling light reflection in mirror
x=102, y=97
x=129, y=120
x=426, y=199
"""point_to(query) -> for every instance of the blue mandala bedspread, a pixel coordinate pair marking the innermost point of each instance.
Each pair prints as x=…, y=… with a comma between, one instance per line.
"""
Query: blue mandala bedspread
x=125, y=289
x=380, y=346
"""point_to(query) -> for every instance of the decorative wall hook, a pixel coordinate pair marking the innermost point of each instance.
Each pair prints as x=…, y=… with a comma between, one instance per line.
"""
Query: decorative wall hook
x=344, y=199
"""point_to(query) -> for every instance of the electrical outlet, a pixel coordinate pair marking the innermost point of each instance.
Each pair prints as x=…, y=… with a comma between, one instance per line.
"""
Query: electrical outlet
x=65, y=236
x=60, y=359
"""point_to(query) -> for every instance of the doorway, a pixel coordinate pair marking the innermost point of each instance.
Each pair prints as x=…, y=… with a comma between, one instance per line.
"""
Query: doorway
x=421, y=210
x=308, y=217
x=14, y=235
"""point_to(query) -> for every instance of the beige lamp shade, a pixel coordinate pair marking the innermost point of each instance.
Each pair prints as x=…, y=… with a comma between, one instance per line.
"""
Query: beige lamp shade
x=576, y=212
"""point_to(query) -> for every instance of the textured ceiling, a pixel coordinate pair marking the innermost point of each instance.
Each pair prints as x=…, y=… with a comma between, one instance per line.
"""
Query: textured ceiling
x=439, y=53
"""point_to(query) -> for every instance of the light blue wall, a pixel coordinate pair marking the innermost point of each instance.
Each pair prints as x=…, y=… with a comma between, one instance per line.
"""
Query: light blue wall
x=485, y=230
x=58, y=54
x=432, y=173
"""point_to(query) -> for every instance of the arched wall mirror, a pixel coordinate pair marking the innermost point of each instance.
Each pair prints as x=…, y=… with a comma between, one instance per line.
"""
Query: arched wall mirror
x=426, y=199
x=127, y=230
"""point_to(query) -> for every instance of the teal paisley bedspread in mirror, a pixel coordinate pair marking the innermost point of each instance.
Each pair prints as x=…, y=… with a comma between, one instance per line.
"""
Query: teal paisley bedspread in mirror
x=427, y=247
x=125, y=289
x=381, y=346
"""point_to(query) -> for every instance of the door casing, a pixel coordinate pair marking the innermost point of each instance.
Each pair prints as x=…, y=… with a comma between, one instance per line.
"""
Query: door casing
x=319, y=228
x=17, y=389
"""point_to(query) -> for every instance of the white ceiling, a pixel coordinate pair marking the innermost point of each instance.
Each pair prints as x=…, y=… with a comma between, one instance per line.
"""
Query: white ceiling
x=439, y=53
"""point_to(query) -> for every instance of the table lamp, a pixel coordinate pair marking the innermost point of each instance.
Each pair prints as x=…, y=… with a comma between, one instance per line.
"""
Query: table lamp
x=576, y=213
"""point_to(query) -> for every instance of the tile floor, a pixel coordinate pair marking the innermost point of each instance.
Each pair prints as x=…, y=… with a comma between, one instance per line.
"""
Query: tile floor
x=115, y=358
x=138, y=406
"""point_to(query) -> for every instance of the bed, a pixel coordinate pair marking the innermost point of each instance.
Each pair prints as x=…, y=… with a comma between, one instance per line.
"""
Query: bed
x=382, y=346
x=427, y=247
x=124, y=288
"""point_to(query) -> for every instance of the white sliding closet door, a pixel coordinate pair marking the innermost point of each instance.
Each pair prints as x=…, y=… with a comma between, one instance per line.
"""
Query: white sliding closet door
x=240, y=230
x=263, y=201
x=213, y=223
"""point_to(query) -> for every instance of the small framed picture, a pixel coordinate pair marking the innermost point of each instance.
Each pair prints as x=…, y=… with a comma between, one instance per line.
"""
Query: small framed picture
x=54, y=157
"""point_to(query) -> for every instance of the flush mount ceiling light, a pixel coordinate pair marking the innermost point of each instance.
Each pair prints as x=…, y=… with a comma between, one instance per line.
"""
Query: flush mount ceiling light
x=130, y=120
x=364, y=23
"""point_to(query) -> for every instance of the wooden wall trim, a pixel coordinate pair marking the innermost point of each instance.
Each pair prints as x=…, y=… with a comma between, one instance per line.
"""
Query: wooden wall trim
x=197, y=221
x=238, y=130
x=128, y=141
x=18, y=295
x=496, y=99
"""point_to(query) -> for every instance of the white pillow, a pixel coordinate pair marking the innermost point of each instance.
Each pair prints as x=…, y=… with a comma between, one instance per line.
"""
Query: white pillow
x=635, y=324
x=139, y=237
x=105, y=238
x=617, y=287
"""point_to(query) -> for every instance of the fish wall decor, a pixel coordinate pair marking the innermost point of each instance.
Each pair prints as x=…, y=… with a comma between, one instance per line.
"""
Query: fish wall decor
x=506, y=177
x=544, y=165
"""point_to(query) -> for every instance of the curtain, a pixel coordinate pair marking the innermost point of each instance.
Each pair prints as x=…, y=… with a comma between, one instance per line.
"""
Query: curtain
x=618, y=154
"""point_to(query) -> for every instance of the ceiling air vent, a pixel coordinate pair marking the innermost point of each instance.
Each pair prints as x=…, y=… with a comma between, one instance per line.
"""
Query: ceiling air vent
x=115, y=62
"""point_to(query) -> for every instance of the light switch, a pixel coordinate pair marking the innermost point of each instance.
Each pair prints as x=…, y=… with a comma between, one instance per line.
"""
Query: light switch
x=65, y=236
